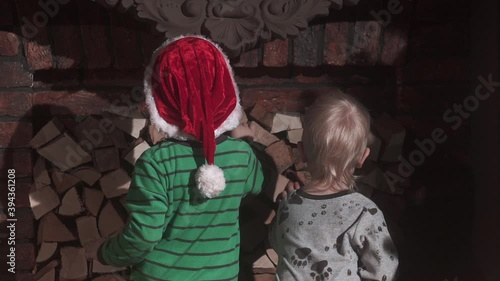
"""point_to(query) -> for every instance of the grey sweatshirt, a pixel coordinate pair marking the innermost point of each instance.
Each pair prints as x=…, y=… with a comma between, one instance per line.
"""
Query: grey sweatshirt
x=340, y=237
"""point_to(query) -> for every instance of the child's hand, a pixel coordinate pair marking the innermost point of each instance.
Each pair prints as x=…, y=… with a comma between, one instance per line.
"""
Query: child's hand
x=291, y=186
x=92, y=247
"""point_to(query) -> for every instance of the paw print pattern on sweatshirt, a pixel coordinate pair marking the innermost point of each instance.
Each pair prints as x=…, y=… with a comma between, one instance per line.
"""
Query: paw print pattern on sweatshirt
x=302, y=257
x=321, y=271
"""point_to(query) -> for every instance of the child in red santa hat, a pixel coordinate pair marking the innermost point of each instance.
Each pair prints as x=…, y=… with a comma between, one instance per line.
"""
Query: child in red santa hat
x=186, y=191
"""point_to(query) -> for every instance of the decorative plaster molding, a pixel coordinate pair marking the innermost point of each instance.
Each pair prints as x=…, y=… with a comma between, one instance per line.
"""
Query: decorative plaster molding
x=237, y=25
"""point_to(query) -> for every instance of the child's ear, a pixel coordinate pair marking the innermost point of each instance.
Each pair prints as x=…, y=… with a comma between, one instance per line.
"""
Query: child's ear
x=363, y=158
x=300, y=146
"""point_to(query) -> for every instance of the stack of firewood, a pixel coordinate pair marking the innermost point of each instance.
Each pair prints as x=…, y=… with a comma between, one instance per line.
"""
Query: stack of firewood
x=82, y=174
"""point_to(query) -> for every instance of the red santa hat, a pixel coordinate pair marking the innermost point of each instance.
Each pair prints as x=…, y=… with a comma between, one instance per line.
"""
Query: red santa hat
x=191, y=95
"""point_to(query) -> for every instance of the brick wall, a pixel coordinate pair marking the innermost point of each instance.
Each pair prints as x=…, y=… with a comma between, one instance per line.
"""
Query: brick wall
x=409, y=60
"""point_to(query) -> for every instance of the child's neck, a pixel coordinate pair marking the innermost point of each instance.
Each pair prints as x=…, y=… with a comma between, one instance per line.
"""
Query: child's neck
x=316, y=187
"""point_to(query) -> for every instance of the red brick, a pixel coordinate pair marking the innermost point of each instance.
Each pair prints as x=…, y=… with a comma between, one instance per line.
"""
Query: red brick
x=125, y=42
x=445, y=69
x=6, y=14
x=266, y=79
x=9, y=44
x=77, y=103
x=363, y=50
x=14, y=74
x=248, y=59
x=114, y=78
x=67, y=43
x=336, y=42
x=395, y=46
x=19, y=159
x=440, y=39
x=94, y=29
x=15, y=104
x=276, y=53
x=305, y=46
x=36, y=43
x=55, y=79
x=152, y=39
x=15, y=134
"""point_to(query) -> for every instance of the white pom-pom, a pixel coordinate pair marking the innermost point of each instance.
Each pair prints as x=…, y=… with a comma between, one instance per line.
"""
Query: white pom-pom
x=210, y=180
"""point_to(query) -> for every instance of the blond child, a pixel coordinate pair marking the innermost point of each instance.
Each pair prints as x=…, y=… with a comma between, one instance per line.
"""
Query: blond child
x=325, y=230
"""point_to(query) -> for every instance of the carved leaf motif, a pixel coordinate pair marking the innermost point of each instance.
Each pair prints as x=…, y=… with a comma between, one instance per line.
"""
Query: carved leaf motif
x=174, y=17
x=287, y=17
x=235, y=25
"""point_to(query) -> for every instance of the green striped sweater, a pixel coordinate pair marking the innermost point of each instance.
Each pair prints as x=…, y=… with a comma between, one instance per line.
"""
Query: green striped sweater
x=174, y=234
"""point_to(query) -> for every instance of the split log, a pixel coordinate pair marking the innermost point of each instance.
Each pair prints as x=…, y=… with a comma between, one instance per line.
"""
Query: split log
x=392, y=135
x=106, y=159
x=98, y=267
x=115, y=183
x=46, y=251
x=136, y=152
x=286, y=121
x=47, y=273
x=109, y=222
x=63, y=181
x=118, y=138
x=87, y=229
x=92, y=198
x=266, y=263
x=43, y=200
x=51, y=229
x=70, y=204
x=281, y=155
x=40, y=174
x=294, y=136
x=88, y=175
x=261, y=135
x=73, y=264
x=131, y=126
x=297, y=160
x=89, y=131
x=49, y=132
x=260, y=114
x=64, y=153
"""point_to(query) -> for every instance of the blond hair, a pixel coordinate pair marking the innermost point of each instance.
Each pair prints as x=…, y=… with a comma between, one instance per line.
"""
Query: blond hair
x=336, y=129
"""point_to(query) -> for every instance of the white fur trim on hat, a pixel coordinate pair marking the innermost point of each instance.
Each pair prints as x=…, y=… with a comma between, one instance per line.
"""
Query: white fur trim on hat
x=170, y=130
x=210, y=180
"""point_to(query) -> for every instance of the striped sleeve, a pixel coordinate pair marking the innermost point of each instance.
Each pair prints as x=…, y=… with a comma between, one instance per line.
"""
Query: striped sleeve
x=255, y=178
x=147, y=206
